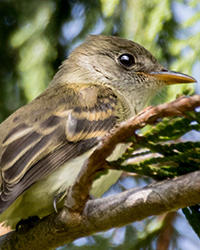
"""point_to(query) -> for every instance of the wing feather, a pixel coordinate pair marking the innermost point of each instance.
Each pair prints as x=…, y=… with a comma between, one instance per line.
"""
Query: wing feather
x=36, y=147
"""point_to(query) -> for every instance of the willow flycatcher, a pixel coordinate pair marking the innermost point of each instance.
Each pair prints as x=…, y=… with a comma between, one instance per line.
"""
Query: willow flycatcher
x=43, y=145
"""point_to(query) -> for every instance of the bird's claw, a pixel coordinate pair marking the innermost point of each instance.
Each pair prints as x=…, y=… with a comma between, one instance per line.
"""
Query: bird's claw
x=57, y=199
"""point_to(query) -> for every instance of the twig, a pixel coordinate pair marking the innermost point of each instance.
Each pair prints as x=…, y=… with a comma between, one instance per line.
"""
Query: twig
x=79, y=193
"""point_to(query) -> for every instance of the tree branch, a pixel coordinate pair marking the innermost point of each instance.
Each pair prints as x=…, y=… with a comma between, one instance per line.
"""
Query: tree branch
x=97, y=161
x=105, y=213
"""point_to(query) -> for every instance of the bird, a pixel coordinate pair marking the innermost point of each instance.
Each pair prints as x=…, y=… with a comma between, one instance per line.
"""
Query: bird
x=43, y=145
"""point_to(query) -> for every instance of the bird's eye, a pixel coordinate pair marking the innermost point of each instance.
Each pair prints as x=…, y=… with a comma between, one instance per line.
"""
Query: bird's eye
x=127, y=60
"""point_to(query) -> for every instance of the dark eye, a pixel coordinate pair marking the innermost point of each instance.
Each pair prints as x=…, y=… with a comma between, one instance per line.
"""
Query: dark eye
x=127, y=60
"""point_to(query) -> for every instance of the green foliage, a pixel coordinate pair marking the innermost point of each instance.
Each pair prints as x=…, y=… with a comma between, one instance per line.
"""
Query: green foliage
x=162, y=154
x=160, y=151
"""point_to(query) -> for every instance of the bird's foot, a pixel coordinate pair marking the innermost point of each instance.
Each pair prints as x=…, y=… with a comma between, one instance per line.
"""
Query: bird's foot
x=57, y=199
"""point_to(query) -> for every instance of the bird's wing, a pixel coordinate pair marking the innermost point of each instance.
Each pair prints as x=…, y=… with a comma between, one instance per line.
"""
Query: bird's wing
x=39, y=144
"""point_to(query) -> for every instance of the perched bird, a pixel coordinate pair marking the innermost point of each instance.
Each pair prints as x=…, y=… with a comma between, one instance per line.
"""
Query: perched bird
x=44, y=144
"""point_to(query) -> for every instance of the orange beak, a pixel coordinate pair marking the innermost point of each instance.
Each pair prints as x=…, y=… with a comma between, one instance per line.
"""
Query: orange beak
x=172, y=77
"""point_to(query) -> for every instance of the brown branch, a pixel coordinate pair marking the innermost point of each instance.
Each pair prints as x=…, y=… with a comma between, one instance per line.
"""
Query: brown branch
x=79, y=193
x=105, y=213
x=167, y=231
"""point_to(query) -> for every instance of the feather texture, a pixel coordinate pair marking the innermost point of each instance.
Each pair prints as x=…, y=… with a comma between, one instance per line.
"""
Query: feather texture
x=38, y=145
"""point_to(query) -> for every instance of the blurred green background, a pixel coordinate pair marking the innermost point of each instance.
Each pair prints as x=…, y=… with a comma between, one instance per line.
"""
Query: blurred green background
x=36, y=36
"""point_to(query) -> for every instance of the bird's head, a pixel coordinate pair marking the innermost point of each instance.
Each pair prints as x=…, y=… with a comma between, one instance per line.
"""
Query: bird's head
x=122, y=64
